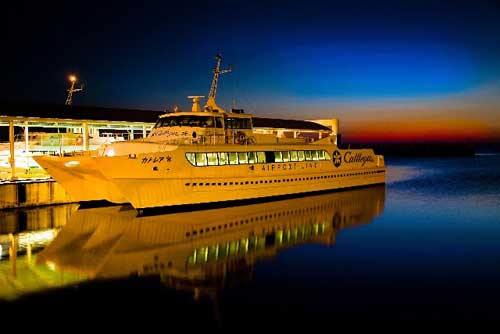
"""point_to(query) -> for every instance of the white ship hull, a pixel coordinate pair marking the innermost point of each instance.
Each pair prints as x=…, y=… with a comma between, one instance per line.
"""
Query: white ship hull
x=83, y=182
x=167, y=178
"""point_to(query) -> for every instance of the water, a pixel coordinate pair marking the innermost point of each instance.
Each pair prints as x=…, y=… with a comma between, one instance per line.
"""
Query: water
x=425, y=246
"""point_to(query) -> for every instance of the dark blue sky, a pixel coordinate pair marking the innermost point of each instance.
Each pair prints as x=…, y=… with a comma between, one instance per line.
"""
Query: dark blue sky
x=153, y=55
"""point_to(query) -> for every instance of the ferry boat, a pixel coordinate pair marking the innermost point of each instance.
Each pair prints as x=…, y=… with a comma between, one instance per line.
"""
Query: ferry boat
x=210, y=155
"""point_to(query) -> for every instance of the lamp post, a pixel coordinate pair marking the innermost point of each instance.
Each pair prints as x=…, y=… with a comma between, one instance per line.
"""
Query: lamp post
x=69, y=100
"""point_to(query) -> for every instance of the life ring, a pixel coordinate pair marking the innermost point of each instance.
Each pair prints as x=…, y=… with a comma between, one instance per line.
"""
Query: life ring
x=240, y=137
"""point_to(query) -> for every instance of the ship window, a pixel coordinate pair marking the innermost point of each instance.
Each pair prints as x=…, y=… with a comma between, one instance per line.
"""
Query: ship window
x=233, y=158
x=308, y=155
x=301, y=155
x=314, y=155
x=212, y=159
x=261, y=157
x=252, y=157
x=238, y=123
x=293, y=156
x=201, y=159
x=327, y=156
x=223, y=158
x=191, y=158
x=277, y=157
x=269, y=156
x=285, y=156
x=218, y=122
x=321, y=155
x=243, y=157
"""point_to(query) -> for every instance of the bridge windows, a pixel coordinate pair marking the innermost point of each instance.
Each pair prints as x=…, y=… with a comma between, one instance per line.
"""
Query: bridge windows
x=190, y=121
x=238, y=123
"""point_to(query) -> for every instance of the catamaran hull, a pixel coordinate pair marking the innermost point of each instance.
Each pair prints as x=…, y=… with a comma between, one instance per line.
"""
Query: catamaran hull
x=80, y=178
x=163, y=179
x=153, y=193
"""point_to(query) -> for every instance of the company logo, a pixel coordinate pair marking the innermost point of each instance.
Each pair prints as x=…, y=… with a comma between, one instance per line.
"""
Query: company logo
x=337, y=158
x=357, y=157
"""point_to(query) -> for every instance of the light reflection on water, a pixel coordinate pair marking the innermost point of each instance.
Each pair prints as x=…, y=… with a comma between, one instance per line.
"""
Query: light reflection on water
x=424, y=246
x=183, y=249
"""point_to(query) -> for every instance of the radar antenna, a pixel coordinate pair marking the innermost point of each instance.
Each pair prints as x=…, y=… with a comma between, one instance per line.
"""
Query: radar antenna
x=72, y=89
x=213, y=88
x=196, y=102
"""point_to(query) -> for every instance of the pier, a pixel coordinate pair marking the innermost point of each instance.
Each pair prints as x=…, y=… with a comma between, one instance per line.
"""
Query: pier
x=36, y=129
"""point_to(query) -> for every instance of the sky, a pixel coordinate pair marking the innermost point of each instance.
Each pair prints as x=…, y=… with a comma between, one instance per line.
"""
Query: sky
x=391, y=71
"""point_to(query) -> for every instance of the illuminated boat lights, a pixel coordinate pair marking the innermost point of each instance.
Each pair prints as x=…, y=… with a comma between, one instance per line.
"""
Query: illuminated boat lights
x=73, y=163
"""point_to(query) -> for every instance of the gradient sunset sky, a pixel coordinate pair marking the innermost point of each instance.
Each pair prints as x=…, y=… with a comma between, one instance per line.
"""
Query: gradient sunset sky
x=389, y=70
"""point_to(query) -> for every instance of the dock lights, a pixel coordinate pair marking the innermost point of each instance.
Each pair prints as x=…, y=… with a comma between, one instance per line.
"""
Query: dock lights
x=72, y=78
x=109, y=152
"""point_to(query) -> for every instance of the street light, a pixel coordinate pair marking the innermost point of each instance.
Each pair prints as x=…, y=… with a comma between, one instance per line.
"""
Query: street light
x=69, y=100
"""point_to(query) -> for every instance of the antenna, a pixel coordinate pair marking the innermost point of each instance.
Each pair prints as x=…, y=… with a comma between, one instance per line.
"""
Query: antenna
x=217, y=71
x=72, y=89
x=196, y=102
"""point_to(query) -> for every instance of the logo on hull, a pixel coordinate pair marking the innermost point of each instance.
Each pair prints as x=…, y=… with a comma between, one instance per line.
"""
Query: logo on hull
x=337, y=158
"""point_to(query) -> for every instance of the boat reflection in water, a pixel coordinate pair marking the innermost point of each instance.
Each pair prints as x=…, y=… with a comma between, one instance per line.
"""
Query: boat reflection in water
x=198, y=251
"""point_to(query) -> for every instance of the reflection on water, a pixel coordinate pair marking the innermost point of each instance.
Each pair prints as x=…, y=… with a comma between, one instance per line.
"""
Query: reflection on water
x=194, y=251
x=31, y=229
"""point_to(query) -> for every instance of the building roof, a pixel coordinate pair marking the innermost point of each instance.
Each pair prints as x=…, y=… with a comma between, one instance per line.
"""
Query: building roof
x=76, y=112
x=259, y=122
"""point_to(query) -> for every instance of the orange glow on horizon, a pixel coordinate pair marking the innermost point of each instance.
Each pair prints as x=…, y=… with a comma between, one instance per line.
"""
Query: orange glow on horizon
x=453, y=130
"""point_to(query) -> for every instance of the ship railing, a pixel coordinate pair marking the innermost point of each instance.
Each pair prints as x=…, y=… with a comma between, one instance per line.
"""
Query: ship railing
x=89, y=153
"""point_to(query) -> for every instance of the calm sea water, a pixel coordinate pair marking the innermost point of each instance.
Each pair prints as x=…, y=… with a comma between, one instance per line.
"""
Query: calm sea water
x=425, y=246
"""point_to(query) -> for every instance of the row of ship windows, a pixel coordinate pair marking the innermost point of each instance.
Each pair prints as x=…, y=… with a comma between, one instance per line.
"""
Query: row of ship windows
x=237, y=158
x=235, y=224
x=261, y=218
x=255, y=243
x=236, y=183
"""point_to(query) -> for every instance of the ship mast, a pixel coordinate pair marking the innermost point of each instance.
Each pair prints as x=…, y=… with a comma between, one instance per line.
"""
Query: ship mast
x=213, y=87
